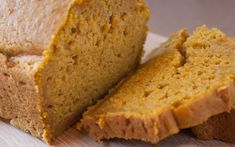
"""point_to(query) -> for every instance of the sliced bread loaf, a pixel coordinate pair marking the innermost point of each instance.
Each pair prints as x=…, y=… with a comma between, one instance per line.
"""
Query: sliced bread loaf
x=182, y=87
x=221, y=127
x=59, y=56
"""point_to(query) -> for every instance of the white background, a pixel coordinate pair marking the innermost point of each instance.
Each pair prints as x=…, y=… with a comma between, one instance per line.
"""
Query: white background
x=168, y=16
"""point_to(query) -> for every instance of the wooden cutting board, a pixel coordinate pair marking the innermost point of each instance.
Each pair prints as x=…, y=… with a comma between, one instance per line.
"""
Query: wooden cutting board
x=12, y=137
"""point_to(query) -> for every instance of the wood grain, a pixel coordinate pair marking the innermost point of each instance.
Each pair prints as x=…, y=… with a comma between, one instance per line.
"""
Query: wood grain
x=12, y=137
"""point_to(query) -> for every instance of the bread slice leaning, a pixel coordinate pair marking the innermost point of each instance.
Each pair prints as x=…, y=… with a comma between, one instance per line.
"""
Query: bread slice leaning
x=57, y=57
x=221, y=127
x=180, y=88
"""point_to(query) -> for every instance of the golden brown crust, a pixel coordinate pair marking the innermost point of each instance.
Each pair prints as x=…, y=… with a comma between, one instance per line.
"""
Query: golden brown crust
x=221, y=127
x=169, y=122
x=151, y=129
x=219, y=101
x=27, y=26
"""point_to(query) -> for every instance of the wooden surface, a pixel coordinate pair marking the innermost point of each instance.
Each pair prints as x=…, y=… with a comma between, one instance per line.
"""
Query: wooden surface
x=12, y=137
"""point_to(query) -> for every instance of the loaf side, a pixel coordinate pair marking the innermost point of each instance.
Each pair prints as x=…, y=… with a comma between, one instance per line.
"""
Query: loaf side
x=18, y=93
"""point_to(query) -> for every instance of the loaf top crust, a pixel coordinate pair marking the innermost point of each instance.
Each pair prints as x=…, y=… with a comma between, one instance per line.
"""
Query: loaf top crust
x=27, y=26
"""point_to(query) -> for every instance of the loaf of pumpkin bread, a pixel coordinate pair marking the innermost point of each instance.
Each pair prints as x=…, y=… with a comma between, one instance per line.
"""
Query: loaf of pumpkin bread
x=192, y=80
x=57, y=57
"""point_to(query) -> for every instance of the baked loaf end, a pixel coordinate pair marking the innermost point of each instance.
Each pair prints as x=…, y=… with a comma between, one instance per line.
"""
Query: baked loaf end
x=97, y=43
x=221, y=127
x=19, y=96
x=191, y=81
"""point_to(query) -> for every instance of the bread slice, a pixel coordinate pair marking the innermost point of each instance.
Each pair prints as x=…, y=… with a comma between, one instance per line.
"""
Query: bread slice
x=182, y=87
x=221, y=127
x=58, y=57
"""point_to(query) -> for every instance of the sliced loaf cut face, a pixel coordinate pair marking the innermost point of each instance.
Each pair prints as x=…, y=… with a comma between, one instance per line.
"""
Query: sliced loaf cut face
x=221, y=127
x=180, y=88
x=82, y=47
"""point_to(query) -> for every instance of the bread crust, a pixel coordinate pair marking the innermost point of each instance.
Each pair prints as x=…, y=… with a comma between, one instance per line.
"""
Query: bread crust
x=219, y=101
x=157, y=127
x=28, y=26
x=151, y=129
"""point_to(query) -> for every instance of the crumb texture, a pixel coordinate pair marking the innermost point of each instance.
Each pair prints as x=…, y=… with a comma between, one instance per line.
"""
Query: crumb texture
x=191, y=81
x=96, y=49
